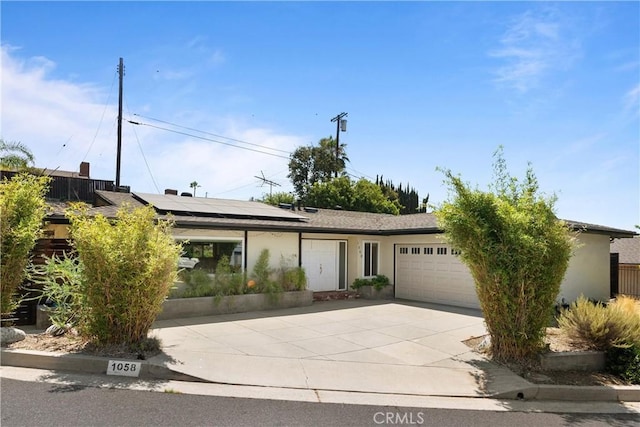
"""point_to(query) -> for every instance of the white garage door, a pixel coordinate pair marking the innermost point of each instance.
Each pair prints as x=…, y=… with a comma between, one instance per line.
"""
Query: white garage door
x=432, y=273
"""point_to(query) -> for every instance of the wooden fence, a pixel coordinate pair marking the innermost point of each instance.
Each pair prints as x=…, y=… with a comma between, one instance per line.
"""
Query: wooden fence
x=629, y=280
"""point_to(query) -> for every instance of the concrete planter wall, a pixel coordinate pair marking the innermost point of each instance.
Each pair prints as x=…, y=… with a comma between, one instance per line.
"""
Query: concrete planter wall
x=573, y=361
x=370, y=292
x=209, y=306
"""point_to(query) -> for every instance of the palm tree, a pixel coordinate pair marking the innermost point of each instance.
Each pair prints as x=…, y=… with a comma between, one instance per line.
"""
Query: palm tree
x=15, y=155
x=194, y=185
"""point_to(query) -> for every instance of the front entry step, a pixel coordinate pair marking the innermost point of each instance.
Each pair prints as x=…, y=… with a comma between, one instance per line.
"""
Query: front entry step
x=334, y=295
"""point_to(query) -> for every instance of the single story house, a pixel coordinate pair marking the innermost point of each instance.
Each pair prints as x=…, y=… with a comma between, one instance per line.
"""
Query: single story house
x=335, y=246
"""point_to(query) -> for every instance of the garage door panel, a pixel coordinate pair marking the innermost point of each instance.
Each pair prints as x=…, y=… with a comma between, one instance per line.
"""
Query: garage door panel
x=432, y=274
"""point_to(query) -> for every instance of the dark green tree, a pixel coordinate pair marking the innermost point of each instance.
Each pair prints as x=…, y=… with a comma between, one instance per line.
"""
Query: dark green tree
x=406, y=198
x=315, y=164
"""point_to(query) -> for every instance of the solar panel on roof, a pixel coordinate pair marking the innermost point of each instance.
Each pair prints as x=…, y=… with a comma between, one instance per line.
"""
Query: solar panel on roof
x=171, y=203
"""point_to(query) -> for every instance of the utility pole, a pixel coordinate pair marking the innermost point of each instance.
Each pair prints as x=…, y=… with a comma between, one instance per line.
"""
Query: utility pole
x=119, y=152
x=341, y=124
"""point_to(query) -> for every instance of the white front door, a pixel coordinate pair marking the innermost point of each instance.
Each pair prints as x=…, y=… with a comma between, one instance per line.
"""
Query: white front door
x=320, y=259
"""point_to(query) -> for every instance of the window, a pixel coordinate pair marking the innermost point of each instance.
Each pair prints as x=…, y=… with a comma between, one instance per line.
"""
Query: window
x=428, y=251
x=455, y=252
x=404, y=251
x=415, y=251
x=370, y=260
x=342, y=265
x=441, y=251
x=209, y=253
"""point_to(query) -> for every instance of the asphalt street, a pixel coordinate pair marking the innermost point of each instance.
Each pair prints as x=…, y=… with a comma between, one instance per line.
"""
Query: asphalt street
x=53, y=404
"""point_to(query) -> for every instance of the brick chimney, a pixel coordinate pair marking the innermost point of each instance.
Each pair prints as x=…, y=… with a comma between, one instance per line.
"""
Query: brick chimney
x=84, y=169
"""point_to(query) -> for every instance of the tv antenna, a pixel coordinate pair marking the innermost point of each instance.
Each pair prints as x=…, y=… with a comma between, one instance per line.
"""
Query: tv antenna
x=267, y=181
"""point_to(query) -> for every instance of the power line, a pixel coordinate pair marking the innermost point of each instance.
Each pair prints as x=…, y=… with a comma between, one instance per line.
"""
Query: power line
x=362, y=174
x=209, y=133
x=208, y=139
x=101, y=117
x=359, y=173
x=143, y=156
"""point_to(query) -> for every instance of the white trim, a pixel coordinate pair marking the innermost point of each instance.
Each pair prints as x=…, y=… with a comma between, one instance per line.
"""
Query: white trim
x=212, y=239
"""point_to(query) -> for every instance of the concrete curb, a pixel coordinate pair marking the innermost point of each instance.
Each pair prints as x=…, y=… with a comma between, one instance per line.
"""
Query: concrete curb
x=80, y=363
x=98, y=365
x=574, y=393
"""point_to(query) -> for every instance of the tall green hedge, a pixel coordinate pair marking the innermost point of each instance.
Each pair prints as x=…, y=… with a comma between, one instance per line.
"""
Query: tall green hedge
x=130, y=265
x=517, y=251
x=22, y=210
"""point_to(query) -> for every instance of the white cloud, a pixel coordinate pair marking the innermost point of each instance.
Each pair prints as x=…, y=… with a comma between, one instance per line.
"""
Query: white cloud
x=60, y=121
x=534, y=45
x=217, y=57
x=44, y=113
x=632, y=100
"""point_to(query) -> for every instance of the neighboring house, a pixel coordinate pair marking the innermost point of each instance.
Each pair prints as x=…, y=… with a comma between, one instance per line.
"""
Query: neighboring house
x=627, y=254
x=70, y=185
x=335, y=247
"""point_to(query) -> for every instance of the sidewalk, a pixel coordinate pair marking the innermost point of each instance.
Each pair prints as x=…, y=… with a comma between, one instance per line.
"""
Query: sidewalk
x=352, y=346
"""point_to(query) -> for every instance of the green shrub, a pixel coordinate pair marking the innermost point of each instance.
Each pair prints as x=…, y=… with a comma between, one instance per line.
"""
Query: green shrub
x=360, y=282
x=129, y=266
x=262, y=274
x=198, y=283
x=226, y=281
x=624, y=362
x=22, y=209
x=291, y=278
x=602, y=327
x=61, y=282
x=614, y=328
x=378, y=282
x=294, y=279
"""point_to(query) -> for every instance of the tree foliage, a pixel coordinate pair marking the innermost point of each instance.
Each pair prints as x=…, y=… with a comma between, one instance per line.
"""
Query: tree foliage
x=517, y=251
x=316, y=164
x=342, y=192
x=22, y=210
x=276, y=198
x=15, y=155
x=129, y=267
x=407, y=197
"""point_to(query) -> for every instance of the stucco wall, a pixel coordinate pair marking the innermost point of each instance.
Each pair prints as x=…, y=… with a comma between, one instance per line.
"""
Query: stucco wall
x=588, y=271
x=280, y=245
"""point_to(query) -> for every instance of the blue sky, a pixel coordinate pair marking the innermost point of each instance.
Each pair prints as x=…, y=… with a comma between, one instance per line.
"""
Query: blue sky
x=425, y=85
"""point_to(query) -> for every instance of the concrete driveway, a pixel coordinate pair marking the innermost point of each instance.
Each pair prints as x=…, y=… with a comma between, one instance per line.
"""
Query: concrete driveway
x=351, y=346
